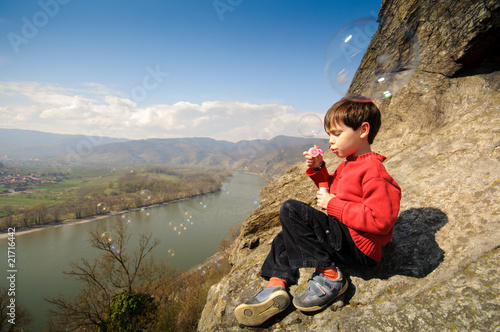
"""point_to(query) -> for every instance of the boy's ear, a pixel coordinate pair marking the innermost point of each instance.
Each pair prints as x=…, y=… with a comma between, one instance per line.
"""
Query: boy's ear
x=365, y=130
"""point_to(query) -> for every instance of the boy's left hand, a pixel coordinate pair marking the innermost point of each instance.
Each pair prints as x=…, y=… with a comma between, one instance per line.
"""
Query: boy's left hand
x=323, y=199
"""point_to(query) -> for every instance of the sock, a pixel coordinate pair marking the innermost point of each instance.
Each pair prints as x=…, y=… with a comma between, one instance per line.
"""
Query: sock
x=330, y=273
x=275, y=281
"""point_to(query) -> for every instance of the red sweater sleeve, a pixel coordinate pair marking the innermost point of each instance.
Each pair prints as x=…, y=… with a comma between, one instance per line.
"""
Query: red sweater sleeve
x=318, y=176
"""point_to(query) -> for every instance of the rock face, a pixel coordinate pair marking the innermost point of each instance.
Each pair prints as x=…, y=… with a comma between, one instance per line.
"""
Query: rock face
x=440, y=271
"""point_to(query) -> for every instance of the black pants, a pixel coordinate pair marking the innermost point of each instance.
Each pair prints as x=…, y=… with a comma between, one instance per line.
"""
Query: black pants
x=310, y=238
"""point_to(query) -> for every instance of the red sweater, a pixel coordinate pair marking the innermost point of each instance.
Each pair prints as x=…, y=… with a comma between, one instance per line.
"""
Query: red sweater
x=366, y=200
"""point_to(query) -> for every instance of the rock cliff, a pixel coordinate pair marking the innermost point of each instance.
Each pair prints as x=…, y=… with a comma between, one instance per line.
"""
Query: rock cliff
x=440, y=271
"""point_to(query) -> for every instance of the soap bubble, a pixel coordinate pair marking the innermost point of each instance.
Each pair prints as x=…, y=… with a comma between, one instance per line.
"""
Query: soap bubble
x=101, y=207
x=423, y=86
x=125, y=217
x=203, y=204
x=115, y=249
x=310, y=125
x=106, y=237
x=389, y=68
x=145, y=211
x=171, y=252
x=145, y=194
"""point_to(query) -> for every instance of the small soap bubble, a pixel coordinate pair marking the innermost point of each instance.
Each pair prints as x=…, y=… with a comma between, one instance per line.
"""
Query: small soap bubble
x=310, y=125
x=171, y=252
x=203, y=204
x=106, y=237
x=387, y=70
x=145, y=211
x=423, y=86
x=115, y=249
x=125, y=217
x=101, y=207
x=145, y=194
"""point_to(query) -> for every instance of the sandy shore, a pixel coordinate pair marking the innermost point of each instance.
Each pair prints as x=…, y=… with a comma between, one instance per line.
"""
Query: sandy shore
x=21, y=231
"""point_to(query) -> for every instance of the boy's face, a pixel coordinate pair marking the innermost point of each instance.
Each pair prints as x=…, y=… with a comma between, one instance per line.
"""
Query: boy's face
x=345, y=141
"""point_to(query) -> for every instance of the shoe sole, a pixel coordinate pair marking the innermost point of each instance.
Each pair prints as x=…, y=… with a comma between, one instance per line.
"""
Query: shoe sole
x=317, y=308
x=256, y=314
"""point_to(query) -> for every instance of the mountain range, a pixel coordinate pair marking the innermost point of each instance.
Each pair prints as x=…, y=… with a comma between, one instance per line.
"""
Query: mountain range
x=266, y=157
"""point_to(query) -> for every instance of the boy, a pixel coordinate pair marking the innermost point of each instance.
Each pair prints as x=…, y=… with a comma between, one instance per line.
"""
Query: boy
x=361, y=208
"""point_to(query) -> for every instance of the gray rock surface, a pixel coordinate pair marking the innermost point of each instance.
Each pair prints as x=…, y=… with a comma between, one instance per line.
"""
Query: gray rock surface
x=440, y=271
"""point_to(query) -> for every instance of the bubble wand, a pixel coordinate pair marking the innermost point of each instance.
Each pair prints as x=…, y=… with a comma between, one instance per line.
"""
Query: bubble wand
x=315, y=151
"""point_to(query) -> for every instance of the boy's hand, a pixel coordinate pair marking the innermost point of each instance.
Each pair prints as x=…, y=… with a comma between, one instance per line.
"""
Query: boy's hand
x=323, y=199
x=313, y=162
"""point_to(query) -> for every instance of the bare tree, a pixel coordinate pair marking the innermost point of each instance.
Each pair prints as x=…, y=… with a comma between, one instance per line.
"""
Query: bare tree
x=114, y=271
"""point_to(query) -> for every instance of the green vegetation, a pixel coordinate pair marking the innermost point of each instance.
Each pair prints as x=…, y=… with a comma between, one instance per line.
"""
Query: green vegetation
x=37, y=196
x=127, y=312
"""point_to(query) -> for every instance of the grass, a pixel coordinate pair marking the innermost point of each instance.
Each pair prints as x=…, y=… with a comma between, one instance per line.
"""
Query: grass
x=23, y=201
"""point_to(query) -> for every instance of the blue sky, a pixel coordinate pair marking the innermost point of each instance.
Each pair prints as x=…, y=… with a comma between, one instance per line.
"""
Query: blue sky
x=226, y=69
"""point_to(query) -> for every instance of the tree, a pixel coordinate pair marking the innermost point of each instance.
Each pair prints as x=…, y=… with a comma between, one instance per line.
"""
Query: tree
x=129, y=312
x=114, y=281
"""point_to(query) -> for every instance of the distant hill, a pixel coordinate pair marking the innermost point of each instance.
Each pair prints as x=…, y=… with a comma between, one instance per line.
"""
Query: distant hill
x=266, y=157
x=32, y=144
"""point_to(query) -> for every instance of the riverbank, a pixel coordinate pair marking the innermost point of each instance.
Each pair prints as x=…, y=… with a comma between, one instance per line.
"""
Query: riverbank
x=25, y=230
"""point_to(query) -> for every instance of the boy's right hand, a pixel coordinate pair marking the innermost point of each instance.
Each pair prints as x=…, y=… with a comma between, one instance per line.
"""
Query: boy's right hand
x=313, y=162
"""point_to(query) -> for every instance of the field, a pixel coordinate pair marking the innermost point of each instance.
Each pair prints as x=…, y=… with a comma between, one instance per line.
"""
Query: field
x=79, y=180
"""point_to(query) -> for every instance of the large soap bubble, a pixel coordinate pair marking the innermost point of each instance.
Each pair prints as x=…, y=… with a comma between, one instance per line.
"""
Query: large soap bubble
x=310, y=125
x=390, y=63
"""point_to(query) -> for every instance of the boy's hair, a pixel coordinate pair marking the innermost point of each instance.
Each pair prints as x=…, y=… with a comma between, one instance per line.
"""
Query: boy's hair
x=353, y=114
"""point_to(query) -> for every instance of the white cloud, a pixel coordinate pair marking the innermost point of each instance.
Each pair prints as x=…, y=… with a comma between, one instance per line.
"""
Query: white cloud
x=95, y=110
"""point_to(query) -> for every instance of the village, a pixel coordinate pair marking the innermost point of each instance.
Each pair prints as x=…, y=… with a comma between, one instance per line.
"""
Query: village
x=16, y=179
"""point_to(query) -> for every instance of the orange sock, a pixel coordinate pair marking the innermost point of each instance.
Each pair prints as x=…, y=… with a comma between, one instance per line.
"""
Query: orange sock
x=330, y=273
x=275, y=281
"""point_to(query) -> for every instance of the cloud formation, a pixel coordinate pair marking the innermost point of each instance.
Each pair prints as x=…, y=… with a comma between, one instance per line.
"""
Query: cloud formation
x=94, y=109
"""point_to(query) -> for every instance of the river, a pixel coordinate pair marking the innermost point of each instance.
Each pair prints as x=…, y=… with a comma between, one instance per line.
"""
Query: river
x=189, y=231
